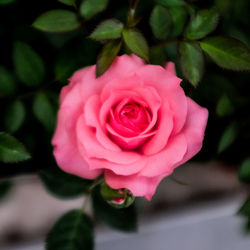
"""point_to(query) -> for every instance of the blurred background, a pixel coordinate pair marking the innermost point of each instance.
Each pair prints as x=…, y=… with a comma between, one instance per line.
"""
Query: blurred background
x=196, y=208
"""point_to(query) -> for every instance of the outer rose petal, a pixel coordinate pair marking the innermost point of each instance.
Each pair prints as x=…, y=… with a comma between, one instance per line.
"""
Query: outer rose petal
x=120, y=68
x=165, y=161
x=194, y=129
x=137, y=184
x=170, y=67
x=66, y=150
x=168, y=86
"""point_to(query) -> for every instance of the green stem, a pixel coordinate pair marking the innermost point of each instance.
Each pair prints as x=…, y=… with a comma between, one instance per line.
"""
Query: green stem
x=97, y=182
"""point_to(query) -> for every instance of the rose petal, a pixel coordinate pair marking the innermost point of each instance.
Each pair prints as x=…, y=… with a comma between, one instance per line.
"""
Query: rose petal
x=121, y=67
x=168, y=87
x=65, y=147
x=138, y=185
x=165, y=161
x=129, y=142
x=194, y=128
x=120, y=169
x=91, y=112
x=86, y=137
x=170, y=67
x=164, y=129
x=152, y=98
x=126, y=83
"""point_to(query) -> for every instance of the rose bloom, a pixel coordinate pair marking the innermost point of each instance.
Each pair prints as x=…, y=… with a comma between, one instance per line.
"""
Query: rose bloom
x=133, y=124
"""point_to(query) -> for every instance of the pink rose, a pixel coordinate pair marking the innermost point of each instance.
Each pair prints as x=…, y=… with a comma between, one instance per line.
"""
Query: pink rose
x=133, y=124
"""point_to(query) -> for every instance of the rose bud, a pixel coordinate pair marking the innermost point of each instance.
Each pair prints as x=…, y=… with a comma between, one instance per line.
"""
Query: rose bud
x=118, y=198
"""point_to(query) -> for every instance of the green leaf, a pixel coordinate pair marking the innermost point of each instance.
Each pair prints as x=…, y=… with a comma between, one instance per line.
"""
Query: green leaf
x=136, y=42
x=124, y=219
x=44, y=110
x=107, y=56
x=171, y=3
x=57, y=21
x=14, y=116
x=160, y=22
x=90, y=8
x=68, y=2
x=28, y=64
x=109, y=29
x=11, y=150
x=5, y=187
x=203, y=23
x=224, y=106
x=7, y=82
x=179, y=18
x=63, y=185
x=227, y=52
x=73, y=231
x=228, y=137
x=245, y=209
x=3, y=2
x=244, y=172
x=192, y=62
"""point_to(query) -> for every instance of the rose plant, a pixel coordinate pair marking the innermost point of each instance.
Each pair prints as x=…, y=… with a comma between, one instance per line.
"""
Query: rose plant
x=133, y=124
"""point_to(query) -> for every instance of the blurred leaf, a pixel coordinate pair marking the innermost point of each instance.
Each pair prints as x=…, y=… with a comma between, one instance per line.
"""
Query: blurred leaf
x=192, y=62
x=57, y=21
x=11, y=150
x=68, y=2
x=14, y=116
x=160, y=22
x=73, y=231
x=228, y=137
x=171, y=3
x=227, y=52
x=124, y=219
x=109, y=29
x=2, y=2
x=5, y=187
x=28, y=64
x=137, y=43
x=63, y=185
x=7, y=82
x=90, y=8
x=107, y=56
x=44, y=110
x=224, y=106
x=244, y=172
x=158, y=55
x=179, y=18
x=245, y=209
x=203, y=23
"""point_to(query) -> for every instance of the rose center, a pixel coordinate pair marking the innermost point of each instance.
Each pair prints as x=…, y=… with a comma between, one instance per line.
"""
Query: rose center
x=134, y=117
x=128, y=123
